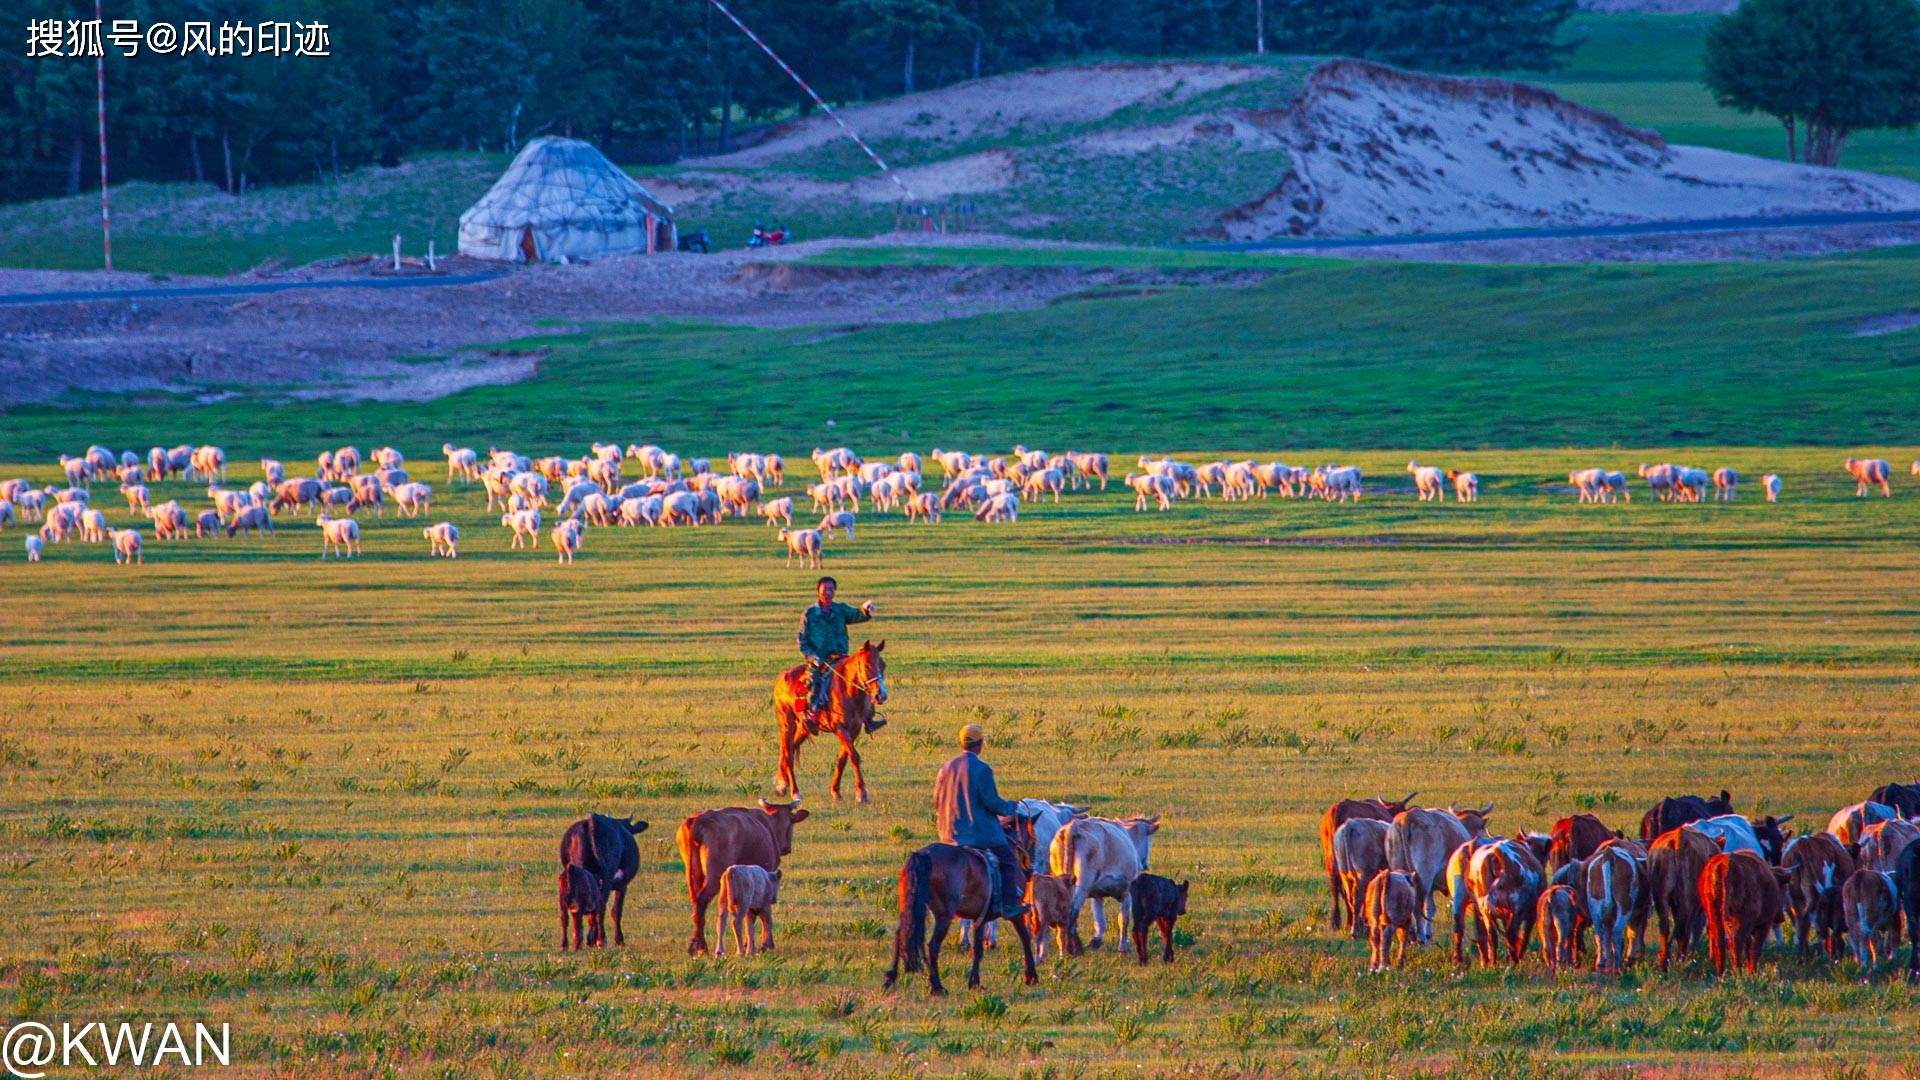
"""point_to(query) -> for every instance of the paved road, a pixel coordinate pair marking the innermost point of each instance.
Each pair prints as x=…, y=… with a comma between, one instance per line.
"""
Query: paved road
x=170, y=292
x=1644, y=228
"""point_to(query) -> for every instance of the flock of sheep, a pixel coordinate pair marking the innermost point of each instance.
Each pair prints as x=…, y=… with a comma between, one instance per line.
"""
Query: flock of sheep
x=559, y=497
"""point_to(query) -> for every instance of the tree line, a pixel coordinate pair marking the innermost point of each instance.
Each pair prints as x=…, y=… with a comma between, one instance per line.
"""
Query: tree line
x=649, y=80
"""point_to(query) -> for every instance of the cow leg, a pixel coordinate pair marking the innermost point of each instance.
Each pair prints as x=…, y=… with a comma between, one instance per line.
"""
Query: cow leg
x=1099, y=916
x=1166, y=932
x=941, y=924
x=619, y=910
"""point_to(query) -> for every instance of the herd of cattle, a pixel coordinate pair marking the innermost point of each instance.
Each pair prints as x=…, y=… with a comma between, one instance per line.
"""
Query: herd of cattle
x=732, y=858
x=560, y=497
x=1701, y=868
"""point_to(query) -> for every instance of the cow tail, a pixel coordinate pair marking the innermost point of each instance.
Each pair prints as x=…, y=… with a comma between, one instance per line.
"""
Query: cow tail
x=916, y=882
x=690, y=857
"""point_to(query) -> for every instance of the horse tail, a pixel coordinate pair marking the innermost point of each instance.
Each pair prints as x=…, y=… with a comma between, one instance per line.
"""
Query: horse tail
x=916, y=884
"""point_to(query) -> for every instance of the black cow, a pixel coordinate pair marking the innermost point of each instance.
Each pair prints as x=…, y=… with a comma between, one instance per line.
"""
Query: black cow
x=1902, y=797
x=1907, y=879
x=605, y=848
x=1671, y=813
x=1158, y=901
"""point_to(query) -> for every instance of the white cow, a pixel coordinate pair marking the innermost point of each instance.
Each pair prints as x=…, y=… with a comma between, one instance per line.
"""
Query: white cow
x=1103, y=857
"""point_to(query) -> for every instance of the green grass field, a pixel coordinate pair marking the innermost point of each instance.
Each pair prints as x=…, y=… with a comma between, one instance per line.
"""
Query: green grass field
x=319, y=801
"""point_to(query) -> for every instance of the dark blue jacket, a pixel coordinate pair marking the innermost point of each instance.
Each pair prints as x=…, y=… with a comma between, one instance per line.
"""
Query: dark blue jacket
x=966, y=804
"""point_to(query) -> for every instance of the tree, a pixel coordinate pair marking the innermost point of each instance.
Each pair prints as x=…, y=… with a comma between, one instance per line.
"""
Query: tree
x=906, y=25
x=1828, y=67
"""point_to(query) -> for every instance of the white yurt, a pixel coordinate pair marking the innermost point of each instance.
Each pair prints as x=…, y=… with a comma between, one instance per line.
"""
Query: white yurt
x=561, y=199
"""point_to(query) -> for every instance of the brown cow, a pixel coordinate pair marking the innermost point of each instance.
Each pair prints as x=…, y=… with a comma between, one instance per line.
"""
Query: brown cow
x=1743, y=898
x=1849, y=823
x=1880, y=848
x=1576, y=838
x=1505, y=879
x=747, y=895
x=1050, y=907
x=712, y=840
x=1555, y=917
x=1873, y=917
x=1674, y=863
x=1339, y=814
x=1359, y=852
x=1392, y=908
x=1820, y=866
x=1420, y=841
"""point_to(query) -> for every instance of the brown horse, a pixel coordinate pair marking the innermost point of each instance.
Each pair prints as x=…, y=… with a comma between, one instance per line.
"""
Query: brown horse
x=952, y=881
x=859, y=684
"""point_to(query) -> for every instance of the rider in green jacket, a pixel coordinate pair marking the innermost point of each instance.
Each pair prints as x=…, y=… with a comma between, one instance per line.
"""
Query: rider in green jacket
x=823, y=639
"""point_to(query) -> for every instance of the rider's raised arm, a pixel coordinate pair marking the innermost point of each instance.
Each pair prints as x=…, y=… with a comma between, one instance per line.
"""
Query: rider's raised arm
x=856, y=614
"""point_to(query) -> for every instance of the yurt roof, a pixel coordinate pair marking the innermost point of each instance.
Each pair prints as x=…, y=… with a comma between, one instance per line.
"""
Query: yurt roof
x=555, y=182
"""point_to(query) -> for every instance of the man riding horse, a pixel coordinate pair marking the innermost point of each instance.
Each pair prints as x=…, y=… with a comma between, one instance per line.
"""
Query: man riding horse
x=967, y=808
x=823, y=640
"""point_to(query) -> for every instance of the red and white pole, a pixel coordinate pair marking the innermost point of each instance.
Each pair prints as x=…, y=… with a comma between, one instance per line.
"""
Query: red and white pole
x=100, y=95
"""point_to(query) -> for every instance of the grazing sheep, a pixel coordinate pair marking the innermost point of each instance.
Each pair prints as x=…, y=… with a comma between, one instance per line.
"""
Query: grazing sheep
x=842, y=520
x=169, y=520
x=388, y=479
x=35, y=546
x=272, y=471
x=209, y=463
x=1390, y=908
x=442, y=539
x=925, y=507
x=386, y=457
x=462, y=463
x=531, y=485
x=1690, y=484
x=413, y=499
x=1868, y=472
x=1770, y=483
x=1428, y=481
x=1003, y=507
x=93, y=527
x=126, y=547
x=339, y=535
x=776, y=470
x=207, y=523
x=254, y=519
x=1726, y=483
x=1466, y=485
x=804, y=543
x=336, y=498
x=780, y=510
x=6, y=513
x=71, y=496
x=228, y=503
x=32, y=504
x=159, y=463
x=131, y=474
x=566, y=539
x=525, y=525
x=1614, y=486
x=78, y=469
x=299, y=494
x=642, y=511
x=1044, y=481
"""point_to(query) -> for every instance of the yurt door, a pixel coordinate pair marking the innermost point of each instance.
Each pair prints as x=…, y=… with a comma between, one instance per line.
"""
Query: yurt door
x=529, y=251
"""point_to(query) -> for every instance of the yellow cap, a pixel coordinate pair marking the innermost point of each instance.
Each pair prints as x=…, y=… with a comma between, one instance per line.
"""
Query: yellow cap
x=972, y=733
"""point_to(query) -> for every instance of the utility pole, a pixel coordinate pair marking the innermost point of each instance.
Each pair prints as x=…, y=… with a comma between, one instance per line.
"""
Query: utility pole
x=100, y=97
x=1260, y=27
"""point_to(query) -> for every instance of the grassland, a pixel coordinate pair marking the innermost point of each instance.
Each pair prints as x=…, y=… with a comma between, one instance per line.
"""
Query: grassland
x=319, y=801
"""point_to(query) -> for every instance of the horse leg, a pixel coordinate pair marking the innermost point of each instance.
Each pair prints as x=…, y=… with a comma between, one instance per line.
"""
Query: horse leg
x=979, y=950
x=790, y=738
x=848, y=754
x=1032, y=974
x=839, y=769
x=941, y=924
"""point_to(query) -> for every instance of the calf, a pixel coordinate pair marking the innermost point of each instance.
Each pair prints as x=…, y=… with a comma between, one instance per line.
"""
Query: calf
x=1392, y=906
x=1359, y=854
x=1419, y=842
x=1103, y=856
x=712, y=840
x=1871, y=904
x=1156, y=901
x=1819, y=866
x=1614, y=887
x=1339, y=814
x=1849, y=823
x=1743, y=900
x=747, y=894
x=1050, y=907
x=582, y=900
x=1674, y=862
x=1556, y=916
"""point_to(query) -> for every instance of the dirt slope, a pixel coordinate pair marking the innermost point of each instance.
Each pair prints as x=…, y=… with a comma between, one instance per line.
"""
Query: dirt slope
x=1380, y=151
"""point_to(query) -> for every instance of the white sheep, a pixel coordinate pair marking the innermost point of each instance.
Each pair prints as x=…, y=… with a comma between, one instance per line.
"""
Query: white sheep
x=78, y=469
x=1044, y=481
x=999, y=508
x=32, y=504
x=254, y=519
x=780, y=510
x=1466, y=485
x=1428, y=481
x=1726, y=482
x=525, y=525
x=925, y=507
x=137, y=496
x=412, y=499
x=272, y=471
x=1614, y=487
x=35, y=546
x=566, y=539
x=1589, y=482
x=126, y=547
x=842, y=520
x=1868, y=472
x=338, y=535
x=6, y=513
x=442, y=538
x=93, y=527
x=1150, y=486
x=679, y=508
x=1770, y=483
x=462, y=462
x=804, y=543
x=209, y=463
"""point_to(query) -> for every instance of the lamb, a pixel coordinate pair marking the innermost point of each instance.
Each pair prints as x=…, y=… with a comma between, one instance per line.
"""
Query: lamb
x=462, y=463
x=126, y=547
x=1770, y=483
x=747, y=894
x=804, y=543
x=1868, y=472
x=338, y=535
x=566, y=539
x=413, y=499
x=1466, y=485
x=1427, y=480
x=780, y=510
x=842, y=520
x=1004, y=507
x=525, y=525
x=35, y=546
x=442, y=538
x=925, y=507
x=1726, y=482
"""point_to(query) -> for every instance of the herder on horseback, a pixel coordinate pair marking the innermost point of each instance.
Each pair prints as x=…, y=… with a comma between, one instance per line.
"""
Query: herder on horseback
x=836, y=692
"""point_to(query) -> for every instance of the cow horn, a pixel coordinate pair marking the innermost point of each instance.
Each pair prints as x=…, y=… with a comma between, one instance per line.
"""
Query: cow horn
x=1408, y=801
x=1783, y=820
x=765, y=805
x=1487, y=809
x=1453, y=808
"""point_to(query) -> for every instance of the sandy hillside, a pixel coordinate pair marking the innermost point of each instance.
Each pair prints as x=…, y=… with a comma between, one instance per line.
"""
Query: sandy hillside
x=996, y=106
x=1379, y=151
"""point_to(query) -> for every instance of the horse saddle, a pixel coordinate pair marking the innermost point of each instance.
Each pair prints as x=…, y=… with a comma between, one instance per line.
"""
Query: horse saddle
x=992, y=864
